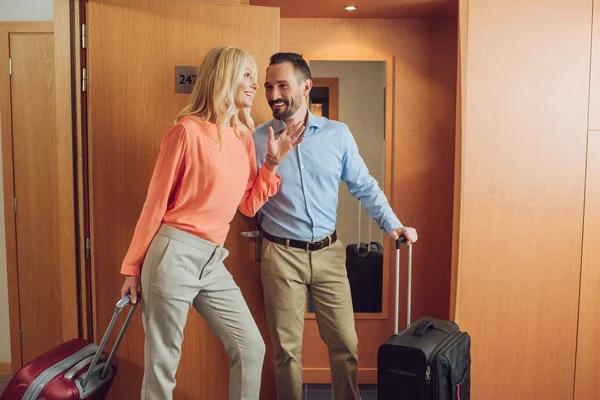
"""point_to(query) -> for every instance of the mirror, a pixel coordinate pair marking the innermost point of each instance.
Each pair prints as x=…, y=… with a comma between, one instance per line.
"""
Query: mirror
x=354, y=93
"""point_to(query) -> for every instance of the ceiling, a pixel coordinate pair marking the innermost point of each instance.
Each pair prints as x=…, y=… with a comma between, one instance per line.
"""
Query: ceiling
x=366, y=8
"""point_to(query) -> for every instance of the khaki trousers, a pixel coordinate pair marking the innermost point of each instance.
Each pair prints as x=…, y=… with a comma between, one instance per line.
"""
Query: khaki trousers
x=286, y=274
x=180, y=271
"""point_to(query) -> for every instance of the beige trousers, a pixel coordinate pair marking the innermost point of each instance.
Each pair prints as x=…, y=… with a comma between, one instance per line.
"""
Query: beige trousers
x=286, y=273
x=180, y=271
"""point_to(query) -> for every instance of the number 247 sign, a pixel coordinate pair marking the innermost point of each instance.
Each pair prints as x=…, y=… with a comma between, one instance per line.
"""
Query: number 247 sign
x=185, y=78
x=190, y=79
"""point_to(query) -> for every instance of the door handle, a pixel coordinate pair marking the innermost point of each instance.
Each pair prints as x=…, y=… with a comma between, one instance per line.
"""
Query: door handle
x=257, y=243
x=251, y=234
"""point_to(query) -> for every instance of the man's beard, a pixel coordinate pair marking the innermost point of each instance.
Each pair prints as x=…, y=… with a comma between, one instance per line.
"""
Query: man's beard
x=290, y=109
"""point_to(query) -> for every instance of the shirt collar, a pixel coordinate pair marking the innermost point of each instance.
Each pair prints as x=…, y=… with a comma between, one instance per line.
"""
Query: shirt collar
x=279, y=125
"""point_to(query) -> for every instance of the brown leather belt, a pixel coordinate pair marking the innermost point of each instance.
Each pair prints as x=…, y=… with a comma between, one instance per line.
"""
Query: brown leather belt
x=308, y=246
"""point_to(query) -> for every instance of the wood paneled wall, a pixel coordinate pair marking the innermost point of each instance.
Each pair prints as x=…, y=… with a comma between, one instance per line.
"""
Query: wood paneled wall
x=461, y=79
x=587, y=384
x=525, y=110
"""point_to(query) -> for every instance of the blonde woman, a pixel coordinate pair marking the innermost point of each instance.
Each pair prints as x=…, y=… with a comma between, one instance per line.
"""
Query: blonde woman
x=206, y=170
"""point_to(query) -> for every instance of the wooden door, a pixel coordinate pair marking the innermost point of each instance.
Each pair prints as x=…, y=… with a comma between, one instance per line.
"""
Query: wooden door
x=133, y=48
x=35, y=175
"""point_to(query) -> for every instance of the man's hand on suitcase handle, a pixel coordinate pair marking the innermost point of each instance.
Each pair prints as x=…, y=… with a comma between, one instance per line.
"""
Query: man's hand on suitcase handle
x=130, y=286
x=409, y=233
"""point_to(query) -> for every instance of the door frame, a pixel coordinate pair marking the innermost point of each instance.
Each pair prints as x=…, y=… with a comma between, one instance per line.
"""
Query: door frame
x=76, y=111
x=69, y=15
x=8, y=183
x=387, y=309
x=333, y=85
x=68, y=243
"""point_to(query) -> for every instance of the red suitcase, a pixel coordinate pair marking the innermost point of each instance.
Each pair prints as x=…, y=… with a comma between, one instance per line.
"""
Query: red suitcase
x=62, y=372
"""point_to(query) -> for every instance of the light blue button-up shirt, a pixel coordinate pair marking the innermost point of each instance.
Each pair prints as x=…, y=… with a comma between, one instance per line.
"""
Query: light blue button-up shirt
x=305, y=207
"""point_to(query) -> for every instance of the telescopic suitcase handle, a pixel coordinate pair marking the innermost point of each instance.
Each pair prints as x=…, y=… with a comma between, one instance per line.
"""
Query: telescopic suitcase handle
x=402, y=239
x=359, y=231
x=121, y=304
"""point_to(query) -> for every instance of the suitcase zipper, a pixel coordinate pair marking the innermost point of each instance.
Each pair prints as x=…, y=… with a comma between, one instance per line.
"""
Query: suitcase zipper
x=39, y=383
x=451, y=341
x=80, y=365
x=442, y=346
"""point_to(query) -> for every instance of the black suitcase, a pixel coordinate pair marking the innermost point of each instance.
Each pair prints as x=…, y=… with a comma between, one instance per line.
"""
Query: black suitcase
x=364, y=267
x=429, y=360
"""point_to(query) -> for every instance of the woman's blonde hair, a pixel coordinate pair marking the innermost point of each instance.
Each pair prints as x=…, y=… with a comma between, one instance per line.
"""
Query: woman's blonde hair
x=213, y=96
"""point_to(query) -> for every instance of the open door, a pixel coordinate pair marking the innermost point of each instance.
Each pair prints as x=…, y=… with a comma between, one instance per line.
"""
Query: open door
x=134, y=92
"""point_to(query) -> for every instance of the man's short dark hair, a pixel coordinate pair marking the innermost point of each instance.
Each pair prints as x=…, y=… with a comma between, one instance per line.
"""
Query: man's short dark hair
x=300, y=66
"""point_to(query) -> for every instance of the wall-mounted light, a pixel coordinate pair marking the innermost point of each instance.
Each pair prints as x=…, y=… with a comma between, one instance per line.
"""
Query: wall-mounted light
x=350, y=8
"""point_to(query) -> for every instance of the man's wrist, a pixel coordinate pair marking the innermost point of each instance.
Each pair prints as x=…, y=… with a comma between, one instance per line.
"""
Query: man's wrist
x=389, y=228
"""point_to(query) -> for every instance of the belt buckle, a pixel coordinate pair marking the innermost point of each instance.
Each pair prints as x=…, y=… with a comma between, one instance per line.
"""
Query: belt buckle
x=318, y=245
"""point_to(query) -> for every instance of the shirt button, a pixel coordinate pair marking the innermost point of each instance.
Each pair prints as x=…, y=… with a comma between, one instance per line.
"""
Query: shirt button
x=305, y=188
x=302, y=166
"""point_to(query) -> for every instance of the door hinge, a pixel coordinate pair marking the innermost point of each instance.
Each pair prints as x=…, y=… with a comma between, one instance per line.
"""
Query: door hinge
x=83, y=36
x=15, y=205
x=84, y=80
x=10, y=66
x=21, y=337
x=88, y=248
